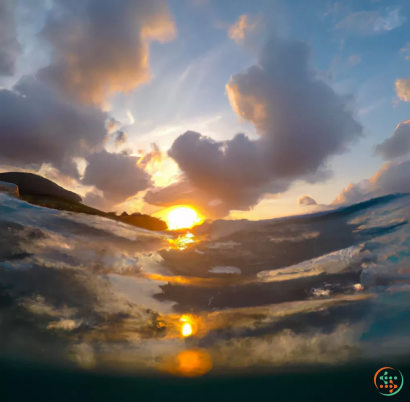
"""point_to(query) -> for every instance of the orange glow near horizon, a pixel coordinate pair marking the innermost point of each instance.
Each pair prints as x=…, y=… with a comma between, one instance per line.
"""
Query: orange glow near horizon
x=189, y=363
x=193, y=363
x=182, y=218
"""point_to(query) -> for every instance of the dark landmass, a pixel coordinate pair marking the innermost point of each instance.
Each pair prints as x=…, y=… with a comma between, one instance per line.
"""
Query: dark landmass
x=144, y=221
x=40, y=191
x=31, y=184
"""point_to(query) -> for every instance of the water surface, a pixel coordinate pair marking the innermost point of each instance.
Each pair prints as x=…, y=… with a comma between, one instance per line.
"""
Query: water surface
x=89, y=293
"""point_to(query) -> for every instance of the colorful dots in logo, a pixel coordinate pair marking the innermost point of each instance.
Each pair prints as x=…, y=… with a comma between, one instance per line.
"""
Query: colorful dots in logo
x=389, y=382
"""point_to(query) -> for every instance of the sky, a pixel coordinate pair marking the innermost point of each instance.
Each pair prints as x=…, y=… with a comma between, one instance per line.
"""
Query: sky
x=239, y=108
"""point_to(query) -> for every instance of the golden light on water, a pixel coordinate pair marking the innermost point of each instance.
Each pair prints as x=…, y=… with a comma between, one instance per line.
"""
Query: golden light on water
x=189, y=363
x=193, y=363
x=182, y=218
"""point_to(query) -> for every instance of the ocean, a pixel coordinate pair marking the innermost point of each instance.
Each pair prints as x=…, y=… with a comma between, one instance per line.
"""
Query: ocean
x=309, y=305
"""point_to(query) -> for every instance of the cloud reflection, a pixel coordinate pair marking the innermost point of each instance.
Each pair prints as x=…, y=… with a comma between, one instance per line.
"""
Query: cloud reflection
x=75, y=291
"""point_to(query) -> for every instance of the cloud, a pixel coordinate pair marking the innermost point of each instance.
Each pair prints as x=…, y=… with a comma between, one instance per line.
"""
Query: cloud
x=130, y=117
x=335, y=8
x=371, y=22
x=37, y=126
x=100, y=47
x=112, y=125
x=403, y=89
x=155, y=155
x=287, y=347
x=9, y=46
x=354, y=59
x=118, y=176
x=233, y=171
x=398, y=144
x=406, y=51
x=238, y=31
x=306, y=200
x=389, y=179
x=301, y=122
x=97, y=201
x=182, y=193
x=120, y=137
x=372, y=106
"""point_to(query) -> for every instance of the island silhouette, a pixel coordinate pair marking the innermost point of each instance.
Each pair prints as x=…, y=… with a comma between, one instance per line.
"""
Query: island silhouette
x=38, y=190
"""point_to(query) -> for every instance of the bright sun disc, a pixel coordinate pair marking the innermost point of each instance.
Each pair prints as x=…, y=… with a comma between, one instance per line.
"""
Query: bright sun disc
x=187, y=329
x=182, y=217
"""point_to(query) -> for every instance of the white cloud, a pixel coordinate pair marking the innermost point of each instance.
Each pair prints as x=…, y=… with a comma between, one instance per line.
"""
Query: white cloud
x=242, y=28
x=389, y=179
x=371, y=22
x=398, y=144
x=130, y=117
x=406, y=51
x=354, y=59
x=403, y=89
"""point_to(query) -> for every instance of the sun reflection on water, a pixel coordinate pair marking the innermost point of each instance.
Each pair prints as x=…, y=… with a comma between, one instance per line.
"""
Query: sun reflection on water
x=189, y=363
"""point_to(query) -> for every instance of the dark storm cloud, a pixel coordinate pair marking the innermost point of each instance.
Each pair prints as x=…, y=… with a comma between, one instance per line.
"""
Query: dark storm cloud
x=306, y=200
x=37, y=126
x=398, y=144
x=100, y=47
x=118, y=176
x=301, y=122
x=9, y=46
x=389, y=179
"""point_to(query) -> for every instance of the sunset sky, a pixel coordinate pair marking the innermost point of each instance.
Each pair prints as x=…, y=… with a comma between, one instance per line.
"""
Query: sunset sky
x=318, y=90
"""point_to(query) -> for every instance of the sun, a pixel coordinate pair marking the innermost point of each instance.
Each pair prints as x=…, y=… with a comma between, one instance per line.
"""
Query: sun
x=189, y=325
x=186, y=329
x=182, y=217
